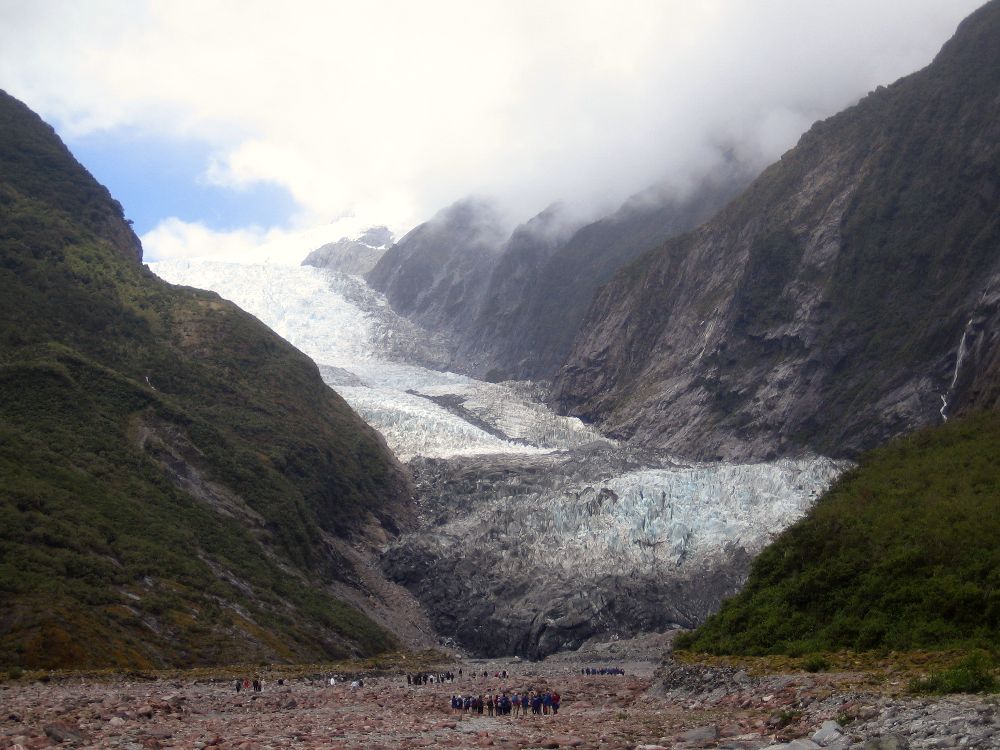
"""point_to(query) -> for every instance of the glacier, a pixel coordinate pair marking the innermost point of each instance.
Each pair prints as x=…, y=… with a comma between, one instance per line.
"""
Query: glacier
x=535, y=532
x=378, y=362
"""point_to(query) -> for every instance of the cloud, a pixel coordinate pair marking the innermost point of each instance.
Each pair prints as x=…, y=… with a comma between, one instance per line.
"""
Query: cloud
x=391, y=109
x=176, y=239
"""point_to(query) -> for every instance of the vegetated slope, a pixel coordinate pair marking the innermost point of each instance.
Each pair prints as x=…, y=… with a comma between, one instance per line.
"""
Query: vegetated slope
x=901, y=553
x=174, y=478
x=847, y=296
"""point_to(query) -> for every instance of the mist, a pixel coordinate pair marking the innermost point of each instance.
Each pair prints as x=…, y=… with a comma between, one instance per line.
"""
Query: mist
x=386, y=112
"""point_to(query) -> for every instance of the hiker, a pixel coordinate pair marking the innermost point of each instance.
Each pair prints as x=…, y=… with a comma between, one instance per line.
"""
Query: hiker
x=489, y=704
x=524, y=705
x=536, y=703
x=239, y=684
x=515, y=702
x=546, y=702
x=555, y=702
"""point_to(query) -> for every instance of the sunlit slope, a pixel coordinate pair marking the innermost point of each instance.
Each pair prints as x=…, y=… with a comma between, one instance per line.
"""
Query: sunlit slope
x=171, y=472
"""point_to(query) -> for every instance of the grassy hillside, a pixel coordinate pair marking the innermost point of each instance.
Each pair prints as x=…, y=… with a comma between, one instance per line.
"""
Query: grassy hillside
x=170, y=470
x=901, y=553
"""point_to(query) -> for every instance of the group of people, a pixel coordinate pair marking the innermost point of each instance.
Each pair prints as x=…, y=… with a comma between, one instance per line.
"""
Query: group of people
x=422, y=678
x=246, y=683
x=602, y=670
x=540, y=703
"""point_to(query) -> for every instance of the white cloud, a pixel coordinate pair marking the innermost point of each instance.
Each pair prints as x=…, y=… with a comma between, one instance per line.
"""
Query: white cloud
x=174, y=238
x=395, y=108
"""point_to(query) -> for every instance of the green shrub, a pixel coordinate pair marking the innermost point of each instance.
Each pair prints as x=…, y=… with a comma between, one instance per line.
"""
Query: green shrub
x=900, y=554
x=974, y=674
x=816, y=663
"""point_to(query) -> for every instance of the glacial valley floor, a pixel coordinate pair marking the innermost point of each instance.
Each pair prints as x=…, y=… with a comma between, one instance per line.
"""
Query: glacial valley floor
x=656, y=704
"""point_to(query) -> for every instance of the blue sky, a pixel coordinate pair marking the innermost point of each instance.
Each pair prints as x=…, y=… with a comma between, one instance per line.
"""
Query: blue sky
x=155, y=178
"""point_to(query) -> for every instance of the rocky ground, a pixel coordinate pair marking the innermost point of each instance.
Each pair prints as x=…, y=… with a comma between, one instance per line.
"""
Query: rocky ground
x=669, y=705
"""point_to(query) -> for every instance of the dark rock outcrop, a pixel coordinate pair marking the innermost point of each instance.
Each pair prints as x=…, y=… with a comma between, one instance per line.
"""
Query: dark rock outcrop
x=542, y=286
x=829, y=307
x=354, y=256
x=511, y=306
x=435, y=275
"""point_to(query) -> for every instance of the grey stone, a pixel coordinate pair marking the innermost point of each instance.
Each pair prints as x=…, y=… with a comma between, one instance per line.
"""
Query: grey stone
x=701, y=734
x=888, y=742
x=802, y=743
x=827, y=733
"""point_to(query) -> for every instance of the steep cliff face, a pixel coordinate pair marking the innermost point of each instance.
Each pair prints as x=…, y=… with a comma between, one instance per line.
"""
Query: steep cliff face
x=435, y=275
x=179, y=486
x=540, y=290
x=848, y=295
x=511, y=306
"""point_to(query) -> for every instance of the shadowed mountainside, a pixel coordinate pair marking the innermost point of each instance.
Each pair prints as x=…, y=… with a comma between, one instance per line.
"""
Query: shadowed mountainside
x=177, y=481
x=852, y=293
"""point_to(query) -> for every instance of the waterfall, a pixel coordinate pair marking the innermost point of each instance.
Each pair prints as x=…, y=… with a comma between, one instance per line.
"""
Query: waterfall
x=959, y=358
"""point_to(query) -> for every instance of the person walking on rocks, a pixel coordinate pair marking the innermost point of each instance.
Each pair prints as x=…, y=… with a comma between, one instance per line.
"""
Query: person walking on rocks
x=556, y=698
x=525, y=700
x=515, y=702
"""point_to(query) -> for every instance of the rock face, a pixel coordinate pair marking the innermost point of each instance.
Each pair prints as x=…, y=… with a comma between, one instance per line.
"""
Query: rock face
x=511, y=305
x=436, y=273
x=180, y=487
x=849, y=295
x=355, y=256
x=534, y=554
x=542, y=286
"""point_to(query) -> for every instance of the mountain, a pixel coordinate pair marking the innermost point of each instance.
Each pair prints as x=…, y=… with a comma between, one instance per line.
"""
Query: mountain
x=850, y=294
x=355, y=256
x=511, y=305
x=541, y=287
x=179, y=487
x=900, y=554
x=435, y=274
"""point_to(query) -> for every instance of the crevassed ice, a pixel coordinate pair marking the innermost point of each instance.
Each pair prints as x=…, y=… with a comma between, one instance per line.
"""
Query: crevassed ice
x=662, y=520
x=340, y=323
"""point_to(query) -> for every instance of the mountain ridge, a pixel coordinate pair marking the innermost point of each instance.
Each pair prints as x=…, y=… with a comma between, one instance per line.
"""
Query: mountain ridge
x=866, y=248
x=177, y=478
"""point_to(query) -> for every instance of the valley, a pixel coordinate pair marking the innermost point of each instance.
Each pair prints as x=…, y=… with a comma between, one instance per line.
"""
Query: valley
x=534, y=532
